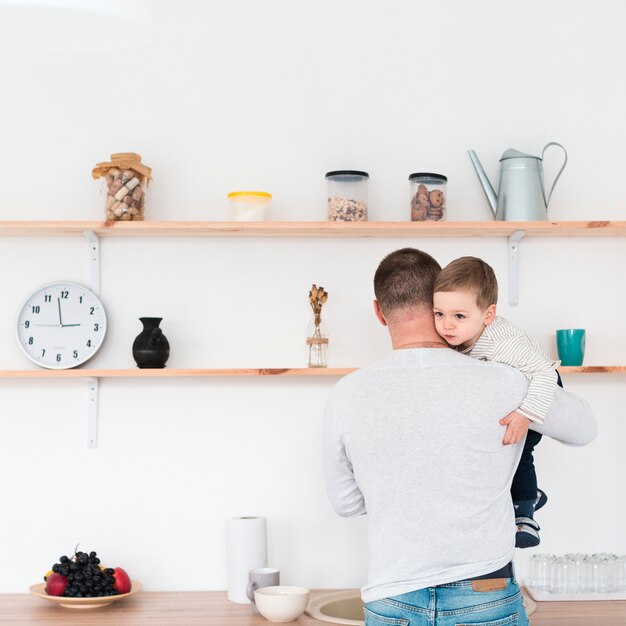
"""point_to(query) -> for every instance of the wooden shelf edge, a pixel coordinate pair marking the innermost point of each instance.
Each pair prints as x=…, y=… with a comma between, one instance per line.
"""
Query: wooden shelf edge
x=592, y=369
x=313, y=229
x=326, y=372
x=322, y=372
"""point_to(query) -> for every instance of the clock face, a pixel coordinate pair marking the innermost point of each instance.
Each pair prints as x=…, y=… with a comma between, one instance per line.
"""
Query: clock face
x=61, y=325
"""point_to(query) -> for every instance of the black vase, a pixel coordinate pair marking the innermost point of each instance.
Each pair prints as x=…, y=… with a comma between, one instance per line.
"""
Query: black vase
x=151, y=349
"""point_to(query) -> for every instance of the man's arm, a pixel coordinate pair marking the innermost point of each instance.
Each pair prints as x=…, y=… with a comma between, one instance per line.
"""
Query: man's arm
x=343, y=492
x=569, y=421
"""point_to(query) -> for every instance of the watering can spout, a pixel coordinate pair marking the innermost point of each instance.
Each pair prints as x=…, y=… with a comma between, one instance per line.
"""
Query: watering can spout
x=484, y=181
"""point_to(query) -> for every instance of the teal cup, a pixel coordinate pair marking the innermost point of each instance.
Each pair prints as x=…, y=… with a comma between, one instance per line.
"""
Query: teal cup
x=570, y=343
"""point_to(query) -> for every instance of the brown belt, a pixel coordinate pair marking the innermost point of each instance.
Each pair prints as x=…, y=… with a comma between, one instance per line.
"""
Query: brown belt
x=494, y=581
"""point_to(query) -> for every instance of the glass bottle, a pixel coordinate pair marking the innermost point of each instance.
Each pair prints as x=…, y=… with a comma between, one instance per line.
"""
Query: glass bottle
x=317, y=340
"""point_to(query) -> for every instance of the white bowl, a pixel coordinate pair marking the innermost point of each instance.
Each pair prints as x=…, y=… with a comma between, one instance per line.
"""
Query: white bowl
x=281, y=603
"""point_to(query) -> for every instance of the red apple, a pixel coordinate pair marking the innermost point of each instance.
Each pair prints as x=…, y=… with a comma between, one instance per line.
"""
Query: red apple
x=56, y=584
x=122, y=580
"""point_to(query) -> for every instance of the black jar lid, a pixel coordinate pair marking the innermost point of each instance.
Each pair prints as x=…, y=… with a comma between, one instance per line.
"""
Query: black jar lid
x=347, y=175
x=429, y=175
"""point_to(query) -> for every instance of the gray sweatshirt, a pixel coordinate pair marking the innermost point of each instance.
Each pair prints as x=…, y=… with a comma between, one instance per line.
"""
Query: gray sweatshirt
x=413, y=440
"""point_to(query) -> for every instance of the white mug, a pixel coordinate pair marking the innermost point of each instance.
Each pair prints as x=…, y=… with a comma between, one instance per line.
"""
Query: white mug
x=261, y=577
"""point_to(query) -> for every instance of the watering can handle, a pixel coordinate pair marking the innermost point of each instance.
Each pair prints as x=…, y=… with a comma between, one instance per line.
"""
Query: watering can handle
x=554, y=143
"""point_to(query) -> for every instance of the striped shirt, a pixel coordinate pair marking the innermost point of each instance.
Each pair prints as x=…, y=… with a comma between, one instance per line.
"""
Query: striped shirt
x=504, y=342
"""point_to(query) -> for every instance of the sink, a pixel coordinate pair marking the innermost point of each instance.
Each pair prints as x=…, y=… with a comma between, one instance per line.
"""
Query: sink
x=343, y=607
x=346, y=607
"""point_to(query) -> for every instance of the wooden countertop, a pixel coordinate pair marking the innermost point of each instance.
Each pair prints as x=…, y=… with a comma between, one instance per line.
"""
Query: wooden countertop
x=211, y=608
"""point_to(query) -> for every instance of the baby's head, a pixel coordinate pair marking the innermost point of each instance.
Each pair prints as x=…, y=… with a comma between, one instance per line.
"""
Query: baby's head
x=466, y=293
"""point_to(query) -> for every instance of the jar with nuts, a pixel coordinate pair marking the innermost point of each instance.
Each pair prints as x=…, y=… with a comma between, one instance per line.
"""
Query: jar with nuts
x=126, y=179
x=347, y=196
x=428, y=197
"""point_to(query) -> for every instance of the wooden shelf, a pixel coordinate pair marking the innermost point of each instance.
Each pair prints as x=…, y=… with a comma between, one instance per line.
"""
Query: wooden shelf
x=592, y=369
x=324, y=372
x=313, y=229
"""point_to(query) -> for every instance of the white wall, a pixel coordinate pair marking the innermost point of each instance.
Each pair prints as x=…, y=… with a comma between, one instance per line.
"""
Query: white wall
x=271, y=95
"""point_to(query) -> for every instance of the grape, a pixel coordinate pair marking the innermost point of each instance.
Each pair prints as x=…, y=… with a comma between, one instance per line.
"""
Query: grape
x=85, y=577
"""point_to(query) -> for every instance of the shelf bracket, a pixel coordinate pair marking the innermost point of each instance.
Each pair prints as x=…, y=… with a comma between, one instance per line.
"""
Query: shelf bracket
x=94, y=259
x=514, y=240
x=92, y=412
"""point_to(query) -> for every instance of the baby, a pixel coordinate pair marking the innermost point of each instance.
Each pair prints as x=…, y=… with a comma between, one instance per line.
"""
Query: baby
x=466, y=293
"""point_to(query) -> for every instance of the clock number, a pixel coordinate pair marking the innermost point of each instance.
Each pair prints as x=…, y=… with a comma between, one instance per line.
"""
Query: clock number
x=30, y=341
x=47, y=298
x=65, y=294
x=26, y=324
x=95, y=327
x=80, y=300
x=58, y=358
x=75, y=354
x=91, y=310
x=43, y=352
x=36, y=309
x=89, y=343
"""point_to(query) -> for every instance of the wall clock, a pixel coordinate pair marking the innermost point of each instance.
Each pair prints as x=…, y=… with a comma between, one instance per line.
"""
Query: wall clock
x=61, y=325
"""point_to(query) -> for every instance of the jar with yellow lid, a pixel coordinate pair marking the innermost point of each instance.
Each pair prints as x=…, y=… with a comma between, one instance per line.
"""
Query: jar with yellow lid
x=249, y=206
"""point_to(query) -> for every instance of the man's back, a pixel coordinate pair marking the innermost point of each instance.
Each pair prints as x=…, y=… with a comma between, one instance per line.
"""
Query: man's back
x=420, y=431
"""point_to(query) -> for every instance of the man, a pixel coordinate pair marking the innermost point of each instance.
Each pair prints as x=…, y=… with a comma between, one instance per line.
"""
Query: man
x=414, y=441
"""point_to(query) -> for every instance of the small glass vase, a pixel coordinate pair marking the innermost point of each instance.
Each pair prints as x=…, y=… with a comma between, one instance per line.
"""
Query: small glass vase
x=317, y=340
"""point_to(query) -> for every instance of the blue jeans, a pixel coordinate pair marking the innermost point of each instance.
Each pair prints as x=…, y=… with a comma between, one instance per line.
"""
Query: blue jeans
x=455, y=604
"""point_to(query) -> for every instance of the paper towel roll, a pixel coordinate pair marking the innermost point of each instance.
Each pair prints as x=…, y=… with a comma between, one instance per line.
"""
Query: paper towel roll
x=246, y=548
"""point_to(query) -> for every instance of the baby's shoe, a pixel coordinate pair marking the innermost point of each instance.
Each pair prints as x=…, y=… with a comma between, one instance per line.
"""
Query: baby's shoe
x=542, y=498
x=527, y=535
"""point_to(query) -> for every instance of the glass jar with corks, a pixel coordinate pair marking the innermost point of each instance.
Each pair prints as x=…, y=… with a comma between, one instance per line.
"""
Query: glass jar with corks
x=126, y=179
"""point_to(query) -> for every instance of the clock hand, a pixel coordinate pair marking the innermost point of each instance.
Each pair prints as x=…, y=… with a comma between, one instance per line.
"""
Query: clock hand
x=56, y=325
x=61, y=319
